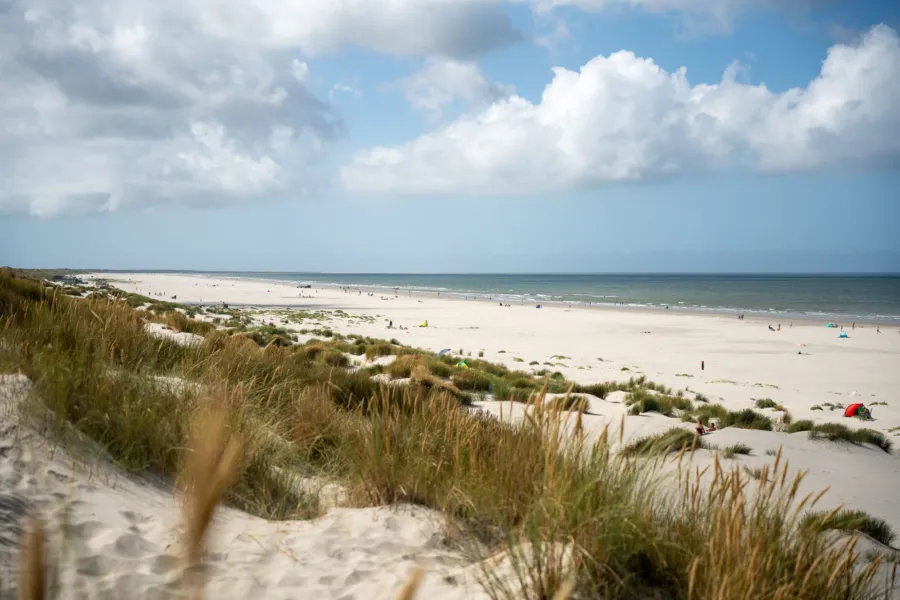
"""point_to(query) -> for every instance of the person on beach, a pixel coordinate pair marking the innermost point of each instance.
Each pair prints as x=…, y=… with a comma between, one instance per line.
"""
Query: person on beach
x=700, y=429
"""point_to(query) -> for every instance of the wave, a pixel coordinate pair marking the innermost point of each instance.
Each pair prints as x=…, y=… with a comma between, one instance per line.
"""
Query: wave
x=729, y=302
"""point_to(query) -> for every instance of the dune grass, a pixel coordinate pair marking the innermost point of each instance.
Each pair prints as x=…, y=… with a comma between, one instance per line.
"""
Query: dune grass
x=667, y=442
x=575, y=516
x=741, y=419
x=849, y=521
x=735, y=449
x=838, y=432
x=643, y=401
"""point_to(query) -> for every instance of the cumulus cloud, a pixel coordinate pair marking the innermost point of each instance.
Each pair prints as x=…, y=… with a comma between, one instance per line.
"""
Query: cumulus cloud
x=443, y=81
x=111, y=104
x=623, y=118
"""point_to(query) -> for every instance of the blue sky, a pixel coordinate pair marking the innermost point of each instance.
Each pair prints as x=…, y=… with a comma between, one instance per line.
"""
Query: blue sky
x=429, y=136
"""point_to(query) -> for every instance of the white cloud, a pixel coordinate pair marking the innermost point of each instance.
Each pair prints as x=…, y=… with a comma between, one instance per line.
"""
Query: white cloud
x=623, y=118
x=113, y=104
x=300, y=70
x=401, y=27
x=342, y=88
x=699, y=15
x=443, y=81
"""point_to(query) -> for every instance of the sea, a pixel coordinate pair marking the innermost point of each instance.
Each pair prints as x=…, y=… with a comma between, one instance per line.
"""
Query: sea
x=844, y=298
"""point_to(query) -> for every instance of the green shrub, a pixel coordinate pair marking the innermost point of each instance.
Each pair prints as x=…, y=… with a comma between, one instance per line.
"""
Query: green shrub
x=504, y=391
x=334, y=358
x=766, y=403
x=440, y=369
x=471, y=380
x=376, y=350
x=748, y=419
x=801, y=425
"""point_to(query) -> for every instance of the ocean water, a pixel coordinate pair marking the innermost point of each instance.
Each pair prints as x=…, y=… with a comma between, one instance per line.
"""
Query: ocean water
x=865, y=298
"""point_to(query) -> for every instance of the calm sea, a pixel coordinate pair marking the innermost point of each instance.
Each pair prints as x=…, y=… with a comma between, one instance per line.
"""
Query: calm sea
x=859, y=297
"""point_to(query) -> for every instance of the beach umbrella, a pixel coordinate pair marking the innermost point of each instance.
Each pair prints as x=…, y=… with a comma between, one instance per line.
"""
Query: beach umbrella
x=444, y=351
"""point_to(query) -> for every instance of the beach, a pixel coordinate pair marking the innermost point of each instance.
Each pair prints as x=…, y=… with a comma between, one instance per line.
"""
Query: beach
x=802, y=366
x=124, y=523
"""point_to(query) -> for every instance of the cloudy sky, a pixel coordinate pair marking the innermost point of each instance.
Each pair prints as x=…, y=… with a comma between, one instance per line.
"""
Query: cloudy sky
x=451, y=135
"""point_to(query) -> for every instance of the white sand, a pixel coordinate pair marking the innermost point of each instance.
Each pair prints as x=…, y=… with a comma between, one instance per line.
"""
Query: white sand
x=376, y=548
x=123, y=534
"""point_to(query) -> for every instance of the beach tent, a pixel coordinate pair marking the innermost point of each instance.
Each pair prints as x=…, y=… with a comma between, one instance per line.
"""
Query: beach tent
x=462, y=364
x=444, y=351
x=831, y=325
x=843, y=335
x=853, y=409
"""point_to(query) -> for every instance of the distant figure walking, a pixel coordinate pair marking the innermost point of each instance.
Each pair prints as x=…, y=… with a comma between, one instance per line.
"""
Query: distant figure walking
x=702, y=365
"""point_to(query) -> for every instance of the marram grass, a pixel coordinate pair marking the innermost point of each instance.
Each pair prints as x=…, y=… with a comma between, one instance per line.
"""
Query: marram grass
x=575, y=517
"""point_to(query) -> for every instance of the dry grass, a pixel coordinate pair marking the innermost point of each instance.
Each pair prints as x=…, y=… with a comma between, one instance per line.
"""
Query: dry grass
x=32, y=568
x=210, y=466
x=575, y=518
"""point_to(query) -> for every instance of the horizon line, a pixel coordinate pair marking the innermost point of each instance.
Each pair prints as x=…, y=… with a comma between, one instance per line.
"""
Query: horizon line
x=488, y=273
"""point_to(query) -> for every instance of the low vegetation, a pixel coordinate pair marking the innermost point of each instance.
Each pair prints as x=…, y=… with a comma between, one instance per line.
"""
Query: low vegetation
x=667, y=442
x=838, y=432
x=765, y=403
x=849, y=521
x=734, y=449
x=573, y=515
x=741, y=419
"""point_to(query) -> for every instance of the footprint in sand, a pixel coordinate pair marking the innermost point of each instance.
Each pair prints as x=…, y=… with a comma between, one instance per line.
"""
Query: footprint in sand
x=136, y=518
x=164, y=563
x=132, y=545
x=97, y=565
x=87, y=529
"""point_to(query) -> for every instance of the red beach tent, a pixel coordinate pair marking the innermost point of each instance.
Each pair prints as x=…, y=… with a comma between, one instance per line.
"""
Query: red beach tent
x=853, y=409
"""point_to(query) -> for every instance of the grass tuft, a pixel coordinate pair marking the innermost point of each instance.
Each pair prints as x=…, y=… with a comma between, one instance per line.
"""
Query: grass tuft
x=849, y=521
x=667, y=442
x=765, y=403
x=734, y=449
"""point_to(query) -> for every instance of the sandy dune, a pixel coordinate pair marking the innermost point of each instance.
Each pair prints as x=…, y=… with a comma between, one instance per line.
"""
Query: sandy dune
x=122, y=534
x=743, y=361
x=123, y=530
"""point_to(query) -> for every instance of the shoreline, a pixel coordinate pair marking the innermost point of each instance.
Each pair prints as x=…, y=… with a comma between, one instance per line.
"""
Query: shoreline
x=806, y=369
x=752, y=316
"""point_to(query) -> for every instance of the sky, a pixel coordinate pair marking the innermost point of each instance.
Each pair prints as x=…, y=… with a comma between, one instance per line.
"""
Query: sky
x=451, y=135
